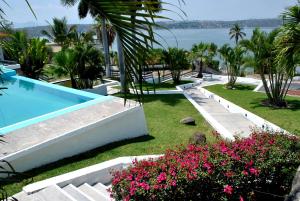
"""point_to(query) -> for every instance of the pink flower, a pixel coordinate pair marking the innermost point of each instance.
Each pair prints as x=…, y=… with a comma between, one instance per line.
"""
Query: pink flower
x=254, y=171
x=241, y=198
x=244, y=172
x=162, y=177
x=228, y=189
x=229, y=174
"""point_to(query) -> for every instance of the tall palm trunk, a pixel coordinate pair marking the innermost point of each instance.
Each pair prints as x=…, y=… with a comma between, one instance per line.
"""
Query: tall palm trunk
x=200, y=74
x=121, y=64
x=105, y=47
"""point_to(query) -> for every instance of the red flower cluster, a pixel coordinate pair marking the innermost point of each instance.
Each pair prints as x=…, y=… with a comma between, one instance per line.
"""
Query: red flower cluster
x=223, y=171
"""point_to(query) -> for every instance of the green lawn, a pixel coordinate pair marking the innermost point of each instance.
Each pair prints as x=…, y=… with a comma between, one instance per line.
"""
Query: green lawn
x=243, y=96
x=163, y=113
x=169, y=85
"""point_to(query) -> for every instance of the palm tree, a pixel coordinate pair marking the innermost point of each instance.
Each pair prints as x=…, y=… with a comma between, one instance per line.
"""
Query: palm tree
x=177, y=61
x=90, y=6
x=65, y=63
x=288, y=42
x=59, y=32
x=265, y=51
x=136, y=38
x=237, y=33
x=200, y=54
x=111, y=33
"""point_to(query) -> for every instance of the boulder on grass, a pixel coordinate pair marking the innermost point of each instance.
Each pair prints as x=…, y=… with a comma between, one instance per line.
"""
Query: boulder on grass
x=188, y=121
x=198, y=138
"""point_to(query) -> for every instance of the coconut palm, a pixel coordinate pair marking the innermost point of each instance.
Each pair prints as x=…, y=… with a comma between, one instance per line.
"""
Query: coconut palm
x=89, y=6
x=237, y=33
x=136, y=38
x=288, y=41
x=59, y=32
x=200, y=55
x=110, y=32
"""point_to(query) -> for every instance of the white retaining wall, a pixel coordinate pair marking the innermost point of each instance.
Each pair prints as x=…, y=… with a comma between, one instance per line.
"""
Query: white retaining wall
x=120, y=126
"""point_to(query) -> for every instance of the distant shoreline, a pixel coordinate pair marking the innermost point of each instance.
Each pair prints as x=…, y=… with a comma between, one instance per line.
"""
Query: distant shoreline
x=251, y=23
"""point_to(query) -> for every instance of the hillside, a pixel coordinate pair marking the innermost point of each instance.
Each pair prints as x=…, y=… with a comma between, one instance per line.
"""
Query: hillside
x=36, y=31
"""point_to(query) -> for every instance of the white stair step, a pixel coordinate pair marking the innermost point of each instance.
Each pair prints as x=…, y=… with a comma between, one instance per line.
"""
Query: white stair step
x=102, y=188
x=52, y=193
x=76, y=193
x=93, y=192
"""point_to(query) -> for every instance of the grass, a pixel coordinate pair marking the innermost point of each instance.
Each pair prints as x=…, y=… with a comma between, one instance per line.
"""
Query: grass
x=163, y=113
x=244, y=96
x=169, y=85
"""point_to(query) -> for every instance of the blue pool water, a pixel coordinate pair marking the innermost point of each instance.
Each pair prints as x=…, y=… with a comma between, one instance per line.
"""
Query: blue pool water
x=27, y=101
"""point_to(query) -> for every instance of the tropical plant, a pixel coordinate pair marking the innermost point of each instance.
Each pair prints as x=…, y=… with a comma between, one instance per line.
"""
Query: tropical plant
x=200, y=55
x=177, y=61
x=136, y=37
x=15, y=45
x=60, y=33
x=110, y=32
x=237, y=33
x=65, y=64
x=82, y=63
x=288, y=39
x=31, y=54
x=89, y=65
x=35, y=57
x=275, y=75
x=233, y=61
x=259, y=168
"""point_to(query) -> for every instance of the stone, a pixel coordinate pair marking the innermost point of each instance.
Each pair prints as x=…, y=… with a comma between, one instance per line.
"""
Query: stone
x=188, y=121
x=295, y=192
x=198, y=138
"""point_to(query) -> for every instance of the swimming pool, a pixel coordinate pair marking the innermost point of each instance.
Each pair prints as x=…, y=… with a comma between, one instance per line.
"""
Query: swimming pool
x=27, y=101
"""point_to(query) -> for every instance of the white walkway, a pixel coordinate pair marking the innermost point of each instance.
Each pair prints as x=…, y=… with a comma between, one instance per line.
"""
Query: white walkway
x=226, y=123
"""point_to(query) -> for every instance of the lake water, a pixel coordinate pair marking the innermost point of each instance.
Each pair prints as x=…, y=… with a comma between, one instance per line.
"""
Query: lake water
x=185, y=38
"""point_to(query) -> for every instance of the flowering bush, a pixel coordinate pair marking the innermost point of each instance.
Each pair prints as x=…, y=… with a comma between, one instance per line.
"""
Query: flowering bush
x=246, y=169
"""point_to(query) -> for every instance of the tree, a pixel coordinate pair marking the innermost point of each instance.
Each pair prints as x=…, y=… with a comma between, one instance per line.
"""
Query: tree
x=176, y=60
x=288, y=40
x=136, y=38
x=65, y=63
x=233, y=60
x=200, y=54
x=60, y=33
x=110, y=32
x=279, y=73
x=237, y=33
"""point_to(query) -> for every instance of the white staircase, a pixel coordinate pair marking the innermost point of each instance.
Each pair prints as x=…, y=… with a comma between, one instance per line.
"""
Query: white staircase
x=87, y=184
x=84, y=192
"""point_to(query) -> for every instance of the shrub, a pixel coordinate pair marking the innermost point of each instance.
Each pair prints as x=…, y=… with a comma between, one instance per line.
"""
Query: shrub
x=247, y=169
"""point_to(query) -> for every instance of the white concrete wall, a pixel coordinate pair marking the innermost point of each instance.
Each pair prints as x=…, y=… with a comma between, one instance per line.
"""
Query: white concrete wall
x=100, y=89
x=121, y=126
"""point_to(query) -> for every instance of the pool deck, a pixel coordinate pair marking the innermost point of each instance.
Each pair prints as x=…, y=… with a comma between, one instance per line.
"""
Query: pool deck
x=38, y=133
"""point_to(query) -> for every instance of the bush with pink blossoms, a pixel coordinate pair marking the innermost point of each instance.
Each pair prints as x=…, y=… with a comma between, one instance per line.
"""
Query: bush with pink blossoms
x=257, y=168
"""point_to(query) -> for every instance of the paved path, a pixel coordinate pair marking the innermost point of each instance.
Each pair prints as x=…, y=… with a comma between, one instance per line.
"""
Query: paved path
x=220, y=118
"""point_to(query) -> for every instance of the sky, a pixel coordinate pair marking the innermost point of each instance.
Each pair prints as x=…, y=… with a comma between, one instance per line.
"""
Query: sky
x=45, y=10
